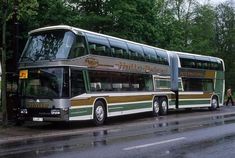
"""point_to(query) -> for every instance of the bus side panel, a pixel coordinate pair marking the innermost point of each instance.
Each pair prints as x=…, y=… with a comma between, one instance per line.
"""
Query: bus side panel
x=81, y=109
x=194, y=99
x=219, y=86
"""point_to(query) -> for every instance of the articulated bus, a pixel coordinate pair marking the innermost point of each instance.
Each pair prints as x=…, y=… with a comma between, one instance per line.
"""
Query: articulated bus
x=69, y=74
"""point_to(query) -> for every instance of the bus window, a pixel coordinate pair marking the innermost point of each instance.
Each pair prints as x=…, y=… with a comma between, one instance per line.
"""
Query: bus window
x=100, y=81
x=208, y=85
x=77, y=82
x=141, y=82
x=198, y=84
x=162, y=56
x=48, y=45
x=150, y=55
x=79, y=48
x=136, y=52
x=98, y=45
x=187, y=63
x=162, y=83
x=118, y=48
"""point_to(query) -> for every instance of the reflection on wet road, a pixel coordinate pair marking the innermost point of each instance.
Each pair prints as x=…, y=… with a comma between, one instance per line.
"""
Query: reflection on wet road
x=176, y=135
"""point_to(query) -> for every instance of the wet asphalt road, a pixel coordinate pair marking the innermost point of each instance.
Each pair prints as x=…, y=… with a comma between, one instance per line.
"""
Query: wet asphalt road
x=189, y=134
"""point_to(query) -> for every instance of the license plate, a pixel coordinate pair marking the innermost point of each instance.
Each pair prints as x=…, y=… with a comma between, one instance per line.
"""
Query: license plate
x=37, y=119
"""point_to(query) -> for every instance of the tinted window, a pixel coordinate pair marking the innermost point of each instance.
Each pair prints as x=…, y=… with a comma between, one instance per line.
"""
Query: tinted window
x=100, y=81
x=98, y=45
x=118, y=49
x=150, y=55
x=162, y=56
x=79, y=48
x=77, y=83
x=48, y=45
x=114, y=81
x=136, y=52
x=196, y=84
x=45, y=83
x=189, y=63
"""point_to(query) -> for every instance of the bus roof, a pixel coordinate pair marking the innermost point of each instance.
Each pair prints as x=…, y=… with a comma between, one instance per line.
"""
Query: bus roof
x=78, y=30
x=198, y=56
x=82, y=31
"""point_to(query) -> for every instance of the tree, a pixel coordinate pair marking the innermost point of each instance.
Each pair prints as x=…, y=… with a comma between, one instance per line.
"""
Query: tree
x=225, y=39
x=7, y=14
x=203, y=30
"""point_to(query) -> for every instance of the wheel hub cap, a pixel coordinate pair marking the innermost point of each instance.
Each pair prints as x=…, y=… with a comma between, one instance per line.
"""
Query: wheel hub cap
x=99, y=113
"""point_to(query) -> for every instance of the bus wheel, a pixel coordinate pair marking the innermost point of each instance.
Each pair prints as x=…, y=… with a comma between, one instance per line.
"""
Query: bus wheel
x=99, y=113
x=163, y=106
x=214, y=103
x=155, y=107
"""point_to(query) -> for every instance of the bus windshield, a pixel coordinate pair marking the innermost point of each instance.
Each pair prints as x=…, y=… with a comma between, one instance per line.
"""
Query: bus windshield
x=45, y=83
x=48, y=45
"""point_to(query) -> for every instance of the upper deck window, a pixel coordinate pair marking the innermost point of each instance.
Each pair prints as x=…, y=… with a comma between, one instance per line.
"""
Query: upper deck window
x=98, y=45
x=136, y=52
x=48, y=45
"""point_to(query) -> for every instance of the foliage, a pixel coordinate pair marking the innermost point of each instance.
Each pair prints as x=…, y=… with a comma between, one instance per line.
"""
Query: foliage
x=181, y=25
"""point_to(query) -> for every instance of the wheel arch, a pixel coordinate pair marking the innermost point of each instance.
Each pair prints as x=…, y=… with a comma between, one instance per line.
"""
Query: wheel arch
x=104, y=101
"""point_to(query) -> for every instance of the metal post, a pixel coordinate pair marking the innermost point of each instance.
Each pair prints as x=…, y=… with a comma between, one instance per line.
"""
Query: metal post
x=3, y=83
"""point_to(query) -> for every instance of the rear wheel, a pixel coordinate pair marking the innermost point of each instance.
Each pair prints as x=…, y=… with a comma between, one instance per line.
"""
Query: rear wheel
x=214, y=103
x=163, y=106
x=99, y=115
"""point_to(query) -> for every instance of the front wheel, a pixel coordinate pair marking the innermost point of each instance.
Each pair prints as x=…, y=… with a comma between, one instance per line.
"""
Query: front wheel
x=99, y=115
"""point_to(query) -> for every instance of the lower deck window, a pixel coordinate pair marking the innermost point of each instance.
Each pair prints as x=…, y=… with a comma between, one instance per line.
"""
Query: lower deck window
x=115, y=81
x=197, y=84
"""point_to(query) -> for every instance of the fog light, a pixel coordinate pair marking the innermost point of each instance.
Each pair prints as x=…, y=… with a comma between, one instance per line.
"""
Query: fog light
x=55, y=111
x=23, y=111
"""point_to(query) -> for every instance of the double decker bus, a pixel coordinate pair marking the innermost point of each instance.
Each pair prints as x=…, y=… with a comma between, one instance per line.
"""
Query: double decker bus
x=68, y=74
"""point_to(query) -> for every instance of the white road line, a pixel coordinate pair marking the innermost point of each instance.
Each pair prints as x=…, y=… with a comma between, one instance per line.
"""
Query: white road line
x=152, y=144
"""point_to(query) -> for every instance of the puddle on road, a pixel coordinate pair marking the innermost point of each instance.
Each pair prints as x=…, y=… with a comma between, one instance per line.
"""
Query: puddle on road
x=100, y=138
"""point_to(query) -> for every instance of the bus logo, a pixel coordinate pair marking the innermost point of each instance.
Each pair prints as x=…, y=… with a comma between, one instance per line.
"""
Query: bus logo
x=91, y=62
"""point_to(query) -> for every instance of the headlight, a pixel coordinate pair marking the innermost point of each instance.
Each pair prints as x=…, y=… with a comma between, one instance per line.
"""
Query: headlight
x=55, y=111
x=23, y=111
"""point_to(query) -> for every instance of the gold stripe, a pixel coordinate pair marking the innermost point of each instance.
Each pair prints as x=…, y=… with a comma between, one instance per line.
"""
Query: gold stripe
x=112, y=100
x=81, y=102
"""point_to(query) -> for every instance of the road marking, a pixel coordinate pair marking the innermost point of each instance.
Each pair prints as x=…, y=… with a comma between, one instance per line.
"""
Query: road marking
x=152, y=144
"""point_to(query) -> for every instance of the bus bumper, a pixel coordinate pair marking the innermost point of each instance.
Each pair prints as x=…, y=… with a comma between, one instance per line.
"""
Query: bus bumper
x=43, y=115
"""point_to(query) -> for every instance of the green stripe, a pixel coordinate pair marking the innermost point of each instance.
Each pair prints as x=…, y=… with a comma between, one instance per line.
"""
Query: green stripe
x=191, y=102
x=80, y=112
x=172, y=102
x=125, y=107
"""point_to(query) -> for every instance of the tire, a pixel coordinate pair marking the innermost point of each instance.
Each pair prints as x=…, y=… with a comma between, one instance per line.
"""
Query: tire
x=163, y=106
x=214, y=103
x=156, y=107
x=99, y=114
